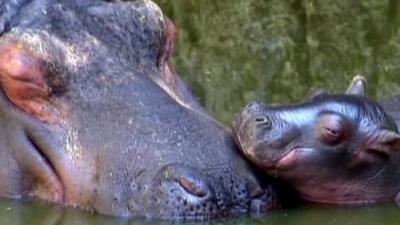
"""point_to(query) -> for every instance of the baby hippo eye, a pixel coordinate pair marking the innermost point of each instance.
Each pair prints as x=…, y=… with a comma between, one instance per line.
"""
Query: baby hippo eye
x=331, y=136
x=332, y=129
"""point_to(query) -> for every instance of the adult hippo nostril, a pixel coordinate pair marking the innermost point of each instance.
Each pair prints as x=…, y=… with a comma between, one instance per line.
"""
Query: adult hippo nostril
x=183, y=192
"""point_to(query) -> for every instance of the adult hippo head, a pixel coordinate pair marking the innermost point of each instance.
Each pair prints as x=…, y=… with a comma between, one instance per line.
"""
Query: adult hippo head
x=92, y=115
x=341, y=149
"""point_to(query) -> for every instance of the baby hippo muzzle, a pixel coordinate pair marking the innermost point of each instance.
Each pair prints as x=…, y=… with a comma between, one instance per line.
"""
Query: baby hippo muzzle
x=259, y=127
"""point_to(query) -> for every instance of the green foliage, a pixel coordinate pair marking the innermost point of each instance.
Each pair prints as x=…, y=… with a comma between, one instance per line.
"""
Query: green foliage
x=234, y=51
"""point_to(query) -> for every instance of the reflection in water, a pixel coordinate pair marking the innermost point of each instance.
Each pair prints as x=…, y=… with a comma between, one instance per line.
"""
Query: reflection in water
x=232, y=52
x=29, y=213
x=339, y=216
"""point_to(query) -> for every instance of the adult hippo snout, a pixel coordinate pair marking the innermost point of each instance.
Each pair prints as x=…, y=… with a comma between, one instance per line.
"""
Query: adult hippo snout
x=191, y=193
x=93, y=116
x=186, y=191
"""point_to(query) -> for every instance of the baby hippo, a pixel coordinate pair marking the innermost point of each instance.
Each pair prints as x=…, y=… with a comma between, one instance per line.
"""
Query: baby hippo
x=339, y=149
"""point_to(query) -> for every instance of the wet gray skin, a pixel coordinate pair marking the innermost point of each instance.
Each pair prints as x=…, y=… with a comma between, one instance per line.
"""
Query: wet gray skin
x=93, y=116
x=340, y=149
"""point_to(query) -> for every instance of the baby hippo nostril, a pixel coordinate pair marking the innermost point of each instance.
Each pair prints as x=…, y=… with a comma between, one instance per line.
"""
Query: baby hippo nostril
x=193, y=187
x=251, y=104
x=261, y=120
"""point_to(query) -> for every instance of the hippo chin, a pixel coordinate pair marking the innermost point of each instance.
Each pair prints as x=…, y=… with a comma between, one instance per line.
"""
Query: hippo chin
x=93, y=116
x=340, y=149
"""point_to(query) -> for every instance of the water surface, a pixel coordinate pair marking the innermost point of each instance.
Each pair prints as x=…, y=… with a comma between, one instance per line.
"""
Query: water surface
x=29, y=213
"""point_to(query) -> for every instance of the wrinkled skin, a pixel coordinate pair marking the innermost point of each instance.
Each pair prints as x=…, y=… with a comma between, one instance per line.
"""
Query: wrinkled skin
x=340, y=149
x=392, y=107
x=93, y=116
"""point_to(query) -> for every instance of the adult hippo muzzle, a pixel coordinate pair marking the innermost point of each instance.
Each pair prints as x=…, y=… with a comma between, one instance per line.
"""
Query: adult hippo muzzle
x=92, y=115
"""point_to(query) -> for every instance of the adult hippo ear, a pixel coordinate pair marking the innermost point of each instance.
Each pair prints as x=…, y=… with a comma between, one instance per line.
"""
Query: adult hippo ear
x=358, y=86
x=169, y=81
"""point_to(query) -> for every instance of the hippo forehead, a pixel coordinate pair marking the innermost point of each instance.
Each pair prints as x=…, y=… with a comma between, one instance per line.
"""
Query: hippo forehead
x=91, y=48
x=105, y=65
x=362, y=111
x=106, y=30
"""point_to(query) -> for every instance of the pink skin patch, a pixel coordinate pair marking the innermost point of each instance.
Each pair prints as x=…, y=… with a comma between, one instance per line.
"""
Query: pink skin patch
x=23, y=79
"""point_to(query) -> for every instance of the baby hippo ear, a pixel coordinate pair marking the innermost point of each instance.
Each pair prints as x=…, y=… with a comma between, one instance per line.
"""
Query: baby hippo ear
x=358, y=86
x=384, y=142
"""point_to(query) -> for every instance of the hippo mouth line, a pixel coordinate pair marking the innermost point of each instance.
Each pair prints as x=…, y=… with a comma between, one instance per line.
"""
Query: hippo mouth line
x=290, y=157
x=44, y=171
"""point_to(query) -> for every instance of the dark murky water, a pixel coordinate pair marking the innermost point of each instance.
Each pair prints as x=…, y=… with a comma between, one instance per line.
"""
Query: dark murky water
x=233, y=51
x=28, y=213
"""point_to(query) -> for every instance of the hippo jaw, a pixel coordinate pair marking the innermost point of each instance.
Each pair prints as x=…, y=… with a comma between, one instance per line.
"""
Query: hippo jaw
x=38, y=164
x=335, y=149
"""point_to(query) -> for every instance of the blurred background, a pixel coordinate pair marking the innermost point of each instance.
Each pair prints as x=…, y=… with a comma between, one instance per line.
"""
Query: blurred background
x=234, y=51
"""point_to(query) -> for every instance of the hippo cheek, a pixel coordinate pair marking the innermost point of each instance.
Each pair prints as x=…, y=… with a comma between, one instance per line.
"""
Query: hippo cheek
x=33, y=150
x=31, y=119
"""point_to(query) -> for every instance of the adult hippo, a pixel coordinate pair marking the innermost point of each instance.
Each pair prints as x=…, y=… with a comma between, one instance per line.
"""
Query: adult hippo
x=341, y=149
x=92, y=115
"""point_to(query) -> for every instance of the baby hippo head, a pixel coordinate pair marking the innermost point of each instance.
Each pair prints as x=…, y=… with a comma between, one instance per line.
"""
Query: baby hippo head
x=338, y=149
